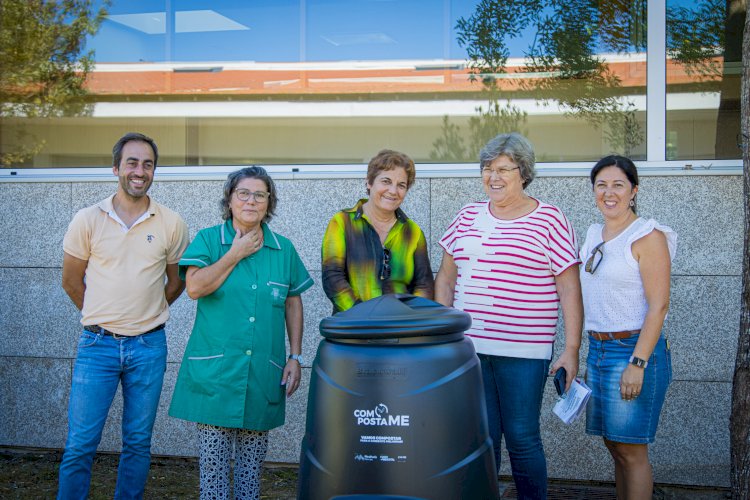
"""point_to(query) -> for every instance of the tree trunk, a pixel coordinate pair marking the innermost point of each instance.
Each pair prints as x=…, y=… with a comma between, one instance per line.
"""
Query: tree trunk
x=739, y=422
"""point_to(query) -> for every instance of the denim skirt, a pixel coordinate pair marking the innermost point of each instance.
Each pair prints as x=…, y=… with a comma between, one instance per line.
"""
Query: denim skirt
x=610, y=416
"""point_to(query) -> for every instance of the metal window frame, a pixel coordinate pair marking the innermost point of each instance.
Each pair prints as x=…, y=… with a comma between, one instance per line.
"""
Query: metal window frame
x=358, y=171
x=656, y=81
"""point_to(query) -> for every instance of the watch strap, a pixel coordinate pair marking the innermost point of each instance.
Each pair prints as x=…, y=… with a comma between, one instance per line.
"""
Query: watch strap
x=640, y=363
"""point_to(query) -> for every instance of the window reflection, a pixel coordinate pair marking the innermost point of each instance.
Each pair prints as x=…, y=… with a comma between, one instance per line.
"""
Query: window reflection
x=704, y=67
x=583, y=72
x=333, y=81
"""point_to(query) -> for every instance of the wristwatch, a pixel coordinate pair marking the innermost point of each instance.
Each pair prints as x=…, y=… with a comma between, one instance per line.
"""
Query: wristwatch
x=297, y=358
x=640, y=363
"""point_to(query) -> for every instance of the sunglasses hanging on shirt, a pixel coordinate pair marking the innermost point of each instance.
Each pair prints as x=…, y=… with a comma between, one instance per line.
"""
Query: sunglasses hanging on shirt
x=385, y=269
x=597, y=254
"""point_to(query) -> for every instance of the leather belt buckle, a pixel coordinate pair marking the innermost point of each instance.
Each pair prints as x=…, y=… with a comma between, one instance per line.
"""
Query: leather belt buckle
x=99, y=330
x=603, y=336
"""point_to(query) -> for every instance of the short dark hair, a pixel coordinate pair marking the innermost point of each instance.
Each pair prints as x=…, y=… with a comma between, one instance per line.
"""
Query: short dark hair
x=235, y=177
x=387, y=159
x=623, y=163
x=132, y=136
x=514, y=146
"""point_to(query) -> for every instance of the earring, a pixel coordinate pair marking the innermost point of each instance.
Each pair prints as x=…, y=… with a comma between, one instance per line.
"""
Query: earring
x=632, y=203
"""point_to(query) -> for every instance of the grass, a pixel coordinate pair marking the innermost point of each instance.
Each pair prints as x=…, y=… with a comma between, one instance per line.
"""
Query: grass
x=33, y=475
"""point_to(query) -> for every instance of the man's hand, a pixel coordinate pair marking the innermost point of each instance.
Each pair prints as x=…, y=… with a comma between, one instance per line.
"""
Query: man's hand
x=73, y=272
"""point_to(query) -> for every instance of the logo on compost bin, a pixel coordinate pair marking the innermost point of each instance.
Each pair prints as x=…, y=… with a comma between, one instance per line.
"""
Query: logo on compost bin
x=380, y=415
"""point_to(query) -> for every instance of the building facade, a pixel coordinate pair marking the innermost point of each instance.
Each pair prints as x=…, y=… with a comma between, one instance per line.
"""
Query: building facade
x=312, y=89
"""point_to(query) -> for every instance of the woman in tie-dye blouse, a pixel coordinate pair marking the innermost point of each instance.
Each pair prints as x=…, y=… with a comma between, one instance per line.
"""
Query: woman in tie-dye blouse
x=374, y=248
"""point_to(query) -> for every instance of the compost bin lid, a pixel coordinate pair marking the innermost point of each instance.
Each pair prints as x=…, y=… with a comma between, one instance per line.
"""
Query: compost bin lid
x=395, y=316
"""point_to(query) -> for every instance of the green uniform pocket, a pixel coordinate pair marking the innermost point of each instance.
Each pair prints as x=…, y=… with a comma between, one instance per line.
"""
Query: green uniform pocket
x=272, y=387
x=278, y=293
x=204, y=371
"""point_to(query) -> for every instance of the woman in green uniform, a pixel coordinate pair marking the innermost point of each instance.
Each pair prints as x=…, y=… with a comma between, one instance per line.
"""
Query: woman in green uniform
x=235, y=374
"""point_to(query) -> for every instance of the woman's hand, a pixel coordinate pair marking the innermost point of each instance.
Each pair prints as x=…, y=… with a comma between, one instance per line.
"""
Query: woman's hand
x=294, y=316
x=568, y=360
x=291, y=376
x=569, y=290
x=244, y=246
x=631, y=382
x=206, y=280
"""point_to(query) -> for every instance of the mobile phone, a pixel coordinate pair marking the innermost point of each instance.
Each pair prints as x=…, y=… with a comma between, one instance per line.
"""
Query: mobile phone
x=561, y=378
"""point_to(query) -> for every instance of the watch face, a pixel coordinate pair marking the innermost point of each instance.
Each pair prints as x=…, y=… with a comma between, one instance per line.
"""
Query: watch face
x=638, y=361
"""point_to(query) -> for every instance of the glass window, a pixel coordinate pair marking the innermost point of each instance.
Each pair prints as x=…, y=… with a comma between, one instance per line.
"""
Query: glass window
x=199, y=31
x=704, y=68
x=333, y=81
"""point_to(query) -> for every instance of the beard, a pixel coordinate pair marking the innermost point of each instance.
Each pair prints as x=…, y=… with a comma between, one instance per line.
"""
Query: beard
x=135, y=192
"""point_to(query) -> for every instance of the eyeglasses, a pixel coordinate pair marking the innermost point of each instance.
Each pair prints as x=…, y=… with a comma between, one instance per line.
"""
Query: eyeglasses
x=502, y=172
x=385, y=269
x=258, y=196
x=593, y=263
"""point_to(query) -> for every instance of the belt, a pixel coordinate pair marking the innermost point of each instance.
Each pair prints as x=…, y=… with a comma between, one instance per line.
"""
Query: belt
x=613, y=335
x=98, y=329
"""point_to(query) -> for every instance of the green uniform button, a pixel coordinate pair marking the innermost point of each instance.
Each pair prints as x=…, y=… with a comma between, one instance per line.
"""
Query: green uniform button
x=252, y=319
x=254, y=287
x=249, y=352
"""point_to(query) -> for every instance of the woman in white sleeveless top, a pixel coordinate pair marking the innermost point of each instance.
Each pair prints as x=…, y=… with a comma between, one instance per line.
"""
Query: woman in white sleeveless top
x=625, y=285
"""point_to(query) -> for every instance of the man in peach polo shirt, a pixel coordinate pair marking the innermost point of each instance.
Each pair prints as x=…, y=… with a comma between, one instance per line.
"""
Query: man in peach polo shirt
x=117, y=255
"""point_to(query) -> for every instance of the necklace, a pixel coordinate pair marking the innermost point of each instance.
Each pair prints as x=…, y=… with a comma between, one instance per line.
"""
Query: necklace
x=378, y=223
x=382, y=224
x=381, y=227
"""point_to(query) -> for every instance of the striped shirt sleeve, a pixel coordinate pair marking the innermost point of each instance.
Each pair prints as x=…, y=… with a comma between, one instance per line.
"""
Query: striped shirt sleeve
x=562, y=242
x=457, y=226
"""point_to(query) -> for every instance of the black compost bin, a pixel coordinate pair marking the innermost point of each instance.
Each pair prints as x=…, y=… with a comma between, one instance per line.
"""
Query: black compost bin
x=396, y=407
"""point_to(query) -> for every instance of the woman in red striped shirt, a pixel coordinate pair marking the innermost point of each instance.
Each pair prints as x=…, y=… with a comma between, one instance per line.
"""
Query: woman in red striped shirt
x=510, y=262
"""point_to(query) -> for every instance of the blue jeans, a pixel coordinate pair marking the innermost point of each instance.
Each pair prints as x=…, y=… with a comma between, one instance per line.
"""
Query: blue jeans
x=610, y=416
x=103, y=362
x=513, y=389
